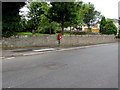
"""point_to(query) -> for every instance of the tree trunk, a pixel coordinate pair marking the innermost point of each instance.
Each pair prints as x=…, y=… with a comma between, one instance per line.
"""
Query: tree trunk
x=50, y=31
x=70, y=30
x=62, y=29
x=89, y=27
x=33, y=31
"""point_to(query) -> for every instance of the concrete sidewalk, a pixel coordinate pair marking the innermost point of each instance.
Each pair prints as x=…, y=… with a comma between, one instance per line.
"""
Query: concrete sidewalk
x=41, y=50
x=26, y=51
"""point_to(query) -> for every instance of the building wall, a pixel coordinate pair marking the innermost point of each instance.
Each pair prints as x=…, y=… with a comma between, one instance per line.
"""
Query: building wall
x=93, y=30
x=52, y=41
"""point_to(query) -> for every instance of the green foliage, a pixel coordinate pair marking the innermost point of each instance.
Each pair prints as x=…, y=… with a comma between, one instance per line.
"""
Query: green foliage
x=102, y=25
x=0, y=29
x=24, y=25
x=10, y=19
x=107, y=27
x=118, y=36
x=110, y=28
x=76, y=18
x=29, y=33
x=47, y=27
x=80, y=32
x=38, y=20
x=47, y=18
x=80, y=9
x=34, y=13
x=62, y=12
x=90, y=15
x=8, y=33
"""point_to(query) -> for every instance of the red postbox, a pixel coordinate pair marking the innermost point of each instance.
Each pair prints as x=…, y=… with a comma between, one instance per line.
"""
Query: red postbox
x=59, y=36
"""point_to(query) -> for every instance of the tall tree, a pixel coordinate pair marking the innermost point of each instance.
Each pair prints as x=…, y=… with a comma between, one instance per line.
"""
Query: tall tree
x=76, y=18
x=34, y=13
x=45, y=26
x=61, y=12
x=103, y=22
x=90, y=15
x=80, y=13
x=10, y=17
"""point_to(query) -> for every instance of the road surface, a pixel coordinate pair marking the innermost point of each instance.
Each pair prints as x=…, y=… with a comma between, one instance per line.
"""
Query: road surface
x=94, y=67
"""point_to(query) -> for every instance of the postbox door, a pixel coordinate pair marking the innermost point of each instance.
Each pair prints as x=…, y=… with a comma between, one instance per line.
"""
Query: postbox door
x=59, y=36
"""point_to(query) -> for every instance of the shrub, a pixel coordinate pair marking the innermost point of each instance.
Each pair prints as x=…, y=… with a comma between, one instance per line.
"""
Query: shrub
x=118, y=36
x=49, y=31
x=58, y=31
x=8, y=33
x=102, y=25
x=80, y=32
x=110, y=28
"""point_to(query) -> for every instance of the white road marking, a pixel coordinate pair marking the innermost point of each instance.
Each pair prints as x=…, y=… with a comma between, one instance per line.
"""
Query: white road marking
x=2, y=57
x=30, y=54
x=44, y=49
x=10, y=58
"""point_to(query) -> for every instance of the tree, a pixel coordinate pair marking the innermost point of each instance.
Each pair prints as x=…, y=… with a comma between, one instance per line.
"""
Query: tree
x=77, y=15
x=24, y=25
x=102, y=24
x=80, y=13
x=34, y=13
x=11, y=18
x=110, y=28
x=119, y=25
x=61, y=12
x=91, y=15
x=47, y=27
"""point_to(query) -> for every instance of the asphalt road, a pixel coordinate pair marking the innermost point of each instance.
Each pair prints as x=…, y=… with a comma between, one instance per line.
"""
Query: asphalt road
x=94, y=67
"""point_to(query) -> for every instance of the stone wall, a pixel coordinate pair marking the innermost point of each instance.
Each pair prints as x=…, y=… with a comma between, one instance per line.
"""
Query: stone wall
x=87, y=39
x=21, y=41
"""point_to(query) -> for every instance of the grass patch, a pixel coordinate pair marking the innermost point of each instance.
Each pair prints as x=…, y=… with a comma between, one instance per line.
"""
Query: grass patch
x=29, y=33
x=25, y=33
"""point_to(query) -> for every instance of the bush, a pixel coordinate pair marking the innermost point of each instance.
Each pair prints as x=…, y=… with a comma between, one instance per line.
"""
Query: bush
x=49, y=31
x=118, y=36
x=47, y=27
x=8, y=33
x=102, y=25
x=58, y=31
x=80, y=32
x=110, y=28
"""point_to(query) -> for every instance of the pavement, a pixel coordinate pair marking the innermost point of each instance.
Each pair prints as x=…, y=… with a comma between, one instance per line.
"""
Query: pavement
x=41, y=50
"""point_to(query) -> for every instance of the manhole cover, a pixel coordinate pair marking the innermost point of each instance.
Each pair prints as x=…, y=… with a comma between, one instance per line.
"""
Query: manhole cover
x=53, y=65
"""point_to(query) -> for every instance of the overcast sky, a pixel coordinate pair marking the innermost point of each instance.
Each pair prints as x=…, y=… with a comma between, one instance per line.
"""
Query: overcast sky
x=108, y=8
